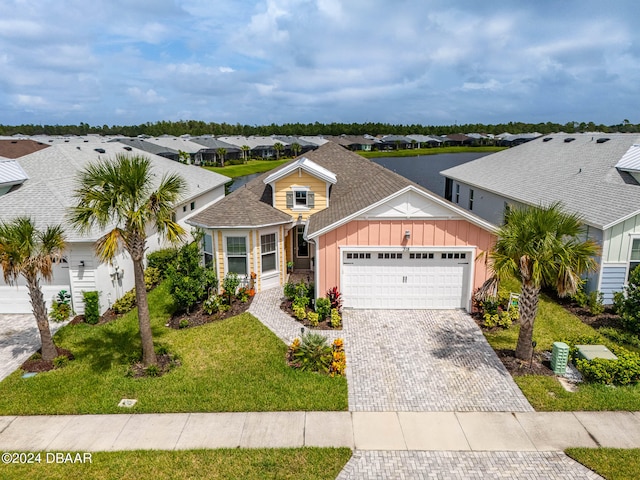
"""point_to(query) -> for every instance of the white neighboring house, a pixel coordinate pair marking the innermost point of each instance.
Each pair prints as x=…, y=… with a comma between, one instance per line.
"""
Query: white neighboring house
x=45, y=196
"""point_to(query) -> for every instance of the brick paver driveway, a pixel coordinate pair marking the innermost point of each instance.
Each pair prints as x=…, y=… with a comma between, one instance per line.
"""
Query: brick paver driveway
x=424, y=360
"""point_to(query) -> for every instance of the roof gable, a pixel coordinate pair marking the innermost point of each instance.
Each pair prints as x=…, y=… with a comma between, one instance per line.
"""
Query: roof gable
x=305, y=164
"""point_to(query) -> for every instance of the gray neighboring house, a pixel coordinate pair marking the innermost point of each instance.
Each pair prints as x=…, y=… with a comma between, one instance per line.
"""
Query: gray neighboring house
x=594, y=175
x=43, y=182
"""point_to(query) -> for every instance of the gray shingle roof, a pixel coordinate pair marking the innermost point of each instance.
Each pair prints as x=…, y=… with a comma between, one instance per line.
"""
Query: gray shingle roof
x=579, y=173
x=360, y=183
x=47, y=194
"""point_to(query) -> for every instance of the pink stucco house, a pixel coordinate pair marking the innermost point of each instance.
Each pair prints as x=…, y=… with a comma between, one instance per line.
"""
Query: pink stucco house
x=384, y=241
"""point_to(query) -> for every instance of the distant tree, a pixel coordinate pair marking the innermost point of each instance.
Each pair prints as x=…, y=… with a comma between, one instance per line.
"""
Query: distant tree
x=221, y=152
x=245, y=152
x=278, y=147
x=28, y=252
x=296, y=149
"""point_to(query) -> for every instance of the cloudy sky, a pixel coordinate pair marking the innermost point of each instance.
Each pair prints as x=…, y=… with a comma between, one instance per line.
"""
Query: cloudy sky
x=261, y=61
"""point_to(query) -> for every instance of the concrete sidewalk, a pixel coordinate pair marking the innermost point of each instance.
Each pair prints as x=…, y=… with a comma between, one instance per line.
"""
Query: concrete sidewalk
x=389, y=431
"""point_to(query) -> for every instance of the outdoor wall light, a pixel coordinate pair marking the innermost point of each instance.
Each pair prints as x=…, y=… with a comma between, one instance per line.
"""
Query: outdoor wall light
x=81, y=263
x=407, y=234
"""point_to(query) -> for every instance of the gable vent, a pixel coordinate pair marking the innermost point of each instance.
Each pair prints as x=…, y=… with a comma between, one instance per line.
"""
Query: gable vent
x=100, y=150
x=547, y=139
x=569, y=140
x=602, y=140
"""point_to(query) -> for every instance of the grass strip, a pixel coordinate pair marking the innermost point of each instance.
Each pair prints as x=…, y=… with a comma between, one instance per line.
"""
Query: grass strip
x=611, y=463
x=299, y=463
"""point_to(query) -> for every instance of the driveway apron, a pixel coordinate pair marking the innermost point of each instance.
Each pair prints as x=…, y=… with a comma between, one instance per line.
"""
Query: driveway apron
x=424, y=361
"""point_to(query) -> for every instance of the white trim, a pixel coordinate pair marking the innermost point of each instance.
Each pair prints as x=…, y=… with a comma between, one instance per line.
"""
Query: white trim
x=632, y=237
x=410, y=188
x=225, y=253
x=316, y=271
x=620, y=220
x=239, y=227
x=305, y=164
x=259, y=244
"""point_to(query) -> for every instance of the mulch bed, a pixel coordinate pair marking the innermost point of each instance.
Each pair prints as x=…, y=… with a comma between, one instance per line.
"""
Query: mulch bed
x=286, y=306
x=607, y=319
x=538, y=366
x=197, y=317
x=39, y=365
x=106, y=317
x=165, y=363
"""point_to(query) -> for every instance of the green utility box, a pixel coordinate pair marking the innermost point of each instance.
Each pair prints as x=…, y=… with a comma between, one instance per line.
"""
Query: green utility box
x=559, y=358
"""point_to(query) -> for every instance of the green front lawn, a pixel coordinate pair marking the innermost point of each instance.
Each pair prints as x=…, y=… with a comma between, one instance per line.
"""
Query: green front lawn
x=554, y=324
x=252, y=166
x=227, y=366
x=298, y=463
x=611, y=463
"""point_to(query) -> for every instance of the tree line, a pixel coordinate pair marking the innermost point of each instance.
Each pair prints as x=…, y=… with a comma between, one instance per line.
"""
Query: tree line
x=197, y=127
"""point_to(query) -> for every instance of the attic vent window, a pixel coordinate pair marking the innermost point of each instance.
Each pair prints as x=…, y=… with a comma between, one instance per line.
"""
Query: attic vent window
x=602, y=140
x=128, y=149
x=548, y=139
x=569, y=140
x=100, y=150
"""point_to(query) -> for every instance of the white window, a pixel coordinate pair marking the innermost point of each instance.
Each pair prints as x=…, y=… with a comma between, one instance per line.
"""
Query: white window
x=300, y=198
x=635, y=255
x=268, y=252
x=207, y=249
x=237, y=255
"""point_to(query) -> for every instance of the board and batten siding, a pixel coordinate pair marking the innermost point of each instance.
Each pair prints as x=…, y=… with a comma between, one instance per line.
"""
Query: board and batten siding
x=300, y=178
x=424, y=233
x=612, y=279
x=617, y=240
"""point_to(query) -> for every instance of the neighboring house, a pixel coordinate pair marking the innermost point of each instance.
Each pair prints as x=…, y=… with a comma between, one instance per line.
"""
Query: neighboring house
x=11, y=175
x=210, y=149
x=593, y=175
x=354, y=142
x=46, y=195
x=149, y=147
x=383, y=240
x=261, y=146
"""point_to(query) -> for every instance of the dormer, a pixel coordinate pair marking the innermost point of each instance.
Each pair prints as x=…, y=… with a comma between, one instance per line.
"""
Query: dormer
x=630, y=162
x=11, y=174
x=301, y=188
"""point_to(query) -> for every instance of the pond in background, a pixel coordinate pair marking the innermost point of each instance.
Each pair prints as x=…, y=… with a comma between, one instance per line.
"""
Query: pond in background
x=423, y=169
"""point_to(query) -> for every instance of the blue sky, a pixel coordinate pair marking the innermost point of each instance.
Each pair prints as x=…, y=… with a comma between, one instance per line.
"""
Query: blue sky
x=261, y=61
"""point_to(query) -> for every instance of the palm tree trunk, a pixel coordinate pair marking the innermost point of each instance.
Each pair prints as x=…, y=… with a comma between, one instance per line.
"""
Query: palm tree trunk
x=144, y=318
x=49, y=350
x=528, y=308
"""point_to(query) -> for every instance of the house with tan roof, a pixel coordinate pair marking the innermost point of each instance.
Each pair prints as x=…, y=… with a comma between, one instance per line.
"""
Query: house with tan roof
x=383, y=240
x=594, y=175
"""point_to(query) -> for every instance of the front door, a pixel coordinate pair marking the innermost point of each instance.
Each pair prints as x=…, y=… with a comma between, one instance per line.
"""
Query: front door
x=301, y=249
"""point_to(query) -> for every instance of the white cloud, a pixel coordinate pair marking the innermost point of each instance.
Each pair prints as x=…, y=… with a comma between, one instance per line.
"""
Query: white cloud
x=149, y=97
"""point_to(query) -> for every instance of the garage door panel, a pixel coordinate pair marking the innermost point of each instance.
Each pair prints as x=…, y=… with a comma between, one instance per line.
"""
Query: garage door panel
x=400, y=282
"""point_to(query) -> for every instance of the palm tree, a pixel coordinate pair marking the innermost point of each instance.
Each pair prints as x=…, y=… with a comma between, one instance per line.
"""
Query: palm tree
x=28, y=252
x=245, y=152
x=296, y=148
x=278, y=147
x=540, y=246
x=221, y=153
x=120, y=195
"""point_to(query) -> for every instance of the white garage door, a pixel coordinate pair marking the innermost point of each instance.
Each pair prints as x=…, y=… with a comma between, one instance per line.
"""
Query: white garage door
x=403, y=280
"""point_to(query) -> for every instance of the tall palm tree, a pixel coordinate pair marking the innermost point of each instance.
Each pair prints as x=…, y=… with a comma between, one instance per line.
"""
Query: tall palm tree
x=245, y=152
x=541, y=246
x=278, y=147
x=296, y=149
x=221, y=154
x=28, y=252
x=119, y=195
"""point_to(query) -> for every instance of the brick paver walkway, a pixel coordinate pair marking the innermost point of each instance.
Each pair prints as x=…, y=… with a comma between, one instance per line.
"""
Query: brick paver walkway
x=424, y=360
x=19, y=339
x=374, y=465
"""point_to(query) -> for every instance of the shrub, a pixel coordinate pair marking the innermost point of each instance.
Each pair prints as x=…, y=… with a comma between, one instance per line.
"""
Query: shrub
x=60, y=361
x=624, y=371
x=152, y=371
x=290, y=290
x=300, y=312
x=620, y=336
x=338, y=358
x=186, y=291
x=502, y=318
x=628, y=304
x=211, y=305
x=243, y=294
x=313, y=319
x=152, y=277
x=230, y=284
x=335, y=297
x=184, y=323
x=314, y=353
x=91, y=307
x=595, y=301
x=300, y=302
x=189, y=281
x=126, y=303
x=323, y=307
x=61, y=307
x=336, y=319
x=581, y=297
x=302, y=289
x=162, y=259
